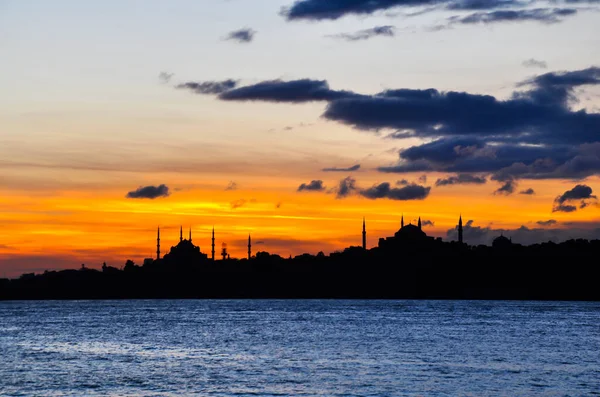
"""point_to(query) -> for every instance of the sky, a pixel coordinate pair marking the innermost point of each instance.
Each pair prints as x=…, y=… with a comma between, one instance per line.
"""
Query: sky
x=291, y=121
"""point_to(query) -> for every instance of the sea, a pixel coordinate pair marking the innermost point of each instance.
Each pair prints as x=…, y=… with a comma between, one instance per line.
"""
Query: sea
x=299, y=348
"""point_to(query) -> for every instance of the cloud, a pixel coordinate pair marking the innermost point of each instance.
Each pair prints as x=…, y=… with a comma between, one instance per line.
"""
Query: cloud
x=294, y=91
x=334, y=9
x=402, y=182
x=544, y=15
x=346, y=187
x=365, y=34
x=564, y=208
x=475, y=235
x=335, y=169
x=314, y=185
x=245, y=35
x=149, y=192
x=535, y=63
x=581, y=193
x=506, y=189
x=549, y=222
x=384, y=190
x=461, y=179
x=529, y=191
x=521, y=137
x=238, y=203
x=165, y=77
x=317, y=10
x=208, y=87
x=423, y=178
x=427, y=222
x=231, y=186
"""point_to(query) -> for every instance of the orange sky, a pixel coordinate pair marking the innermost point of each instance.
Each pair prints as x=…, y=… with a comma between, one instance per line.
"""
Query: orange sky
x=69, y=227
x=86, y=118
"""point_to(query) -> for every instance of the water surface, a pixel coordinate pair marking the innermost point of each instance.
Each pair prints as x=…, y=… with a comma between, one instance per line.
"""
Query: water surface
x=299, y=347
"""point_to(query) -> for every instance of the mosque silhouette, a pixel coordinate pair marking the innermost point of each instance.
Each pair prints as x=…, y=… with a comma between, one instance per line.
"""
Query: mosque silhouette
x=409, y=236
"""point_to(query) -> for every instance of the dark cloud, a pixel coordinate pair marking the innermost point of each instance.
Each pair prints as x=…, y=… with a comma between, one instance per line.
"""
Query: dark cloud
x=580, y=193
x=423, y=178
x=538, y=115
x=366, y=33
x=533, y=134
x=529, y=191
x=295, y=91
x=335, y=169
x=165, y=77
x=427, y=222
x=535, y=63
x=564, y=208
x=245, y=35
x=314, y=185
x=544, y=15
x=384, y=190
x=461, y=179
x=346, y=187
x=507, y=188
x=333, y=9
x=208, y=87
x=549, y=222
x=475, y=235
x=149, y=192
x=402, y=182
x=231, y=186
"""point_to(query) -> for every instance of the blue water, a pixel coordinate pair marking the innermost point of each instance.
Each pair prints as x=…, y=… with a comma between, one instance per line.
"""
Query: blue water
x=299, y=348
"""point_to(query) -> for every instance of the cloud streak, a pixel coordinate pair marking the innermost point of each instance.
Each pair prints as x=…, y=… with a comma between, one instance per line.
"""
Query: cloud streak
x=544, y=15
x=461, y=179
x=336, y=169
x=386, y=31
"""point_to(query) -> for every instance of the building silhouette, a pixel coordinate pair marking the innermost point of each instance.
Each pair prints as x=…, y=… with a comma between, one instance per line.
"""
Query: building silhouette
x=224, y=253
x=407, y=236
x=364, y=235
x=185, y=253
x=249, y=247
x=213, y=244
x=460, y=229
x=158, y=244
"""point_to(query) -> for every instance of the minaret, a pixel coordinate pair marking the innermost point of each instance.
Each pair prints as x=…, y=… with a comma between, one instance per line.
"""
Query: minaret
x=190, y=234
x=249, y=247
x=402, y=222
x=364, y=235
x=419, y=224
x=460, y=231
x=180, y=233
x=158, y=244
x=213, y=244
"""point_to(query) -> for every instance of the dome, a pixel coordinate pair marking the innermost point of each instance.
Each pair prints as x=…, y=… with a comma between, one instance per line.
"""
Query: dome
x=501, y=241
x=410, y=231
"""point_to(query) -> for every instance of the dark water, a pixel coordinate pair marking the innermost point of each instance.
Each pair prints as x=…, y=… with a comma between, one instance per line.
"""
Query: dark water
x=308, y=348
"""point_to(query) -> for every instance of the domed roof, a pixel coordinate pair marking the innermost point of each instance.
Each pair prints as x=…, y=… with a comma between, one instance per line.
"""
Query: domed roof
x=501, y=241
x=410, y=231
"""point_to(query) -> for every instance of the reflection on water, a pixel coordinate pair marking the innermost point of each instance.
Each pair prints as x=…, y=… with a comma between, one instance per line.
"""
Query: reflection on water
x=309, y=348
